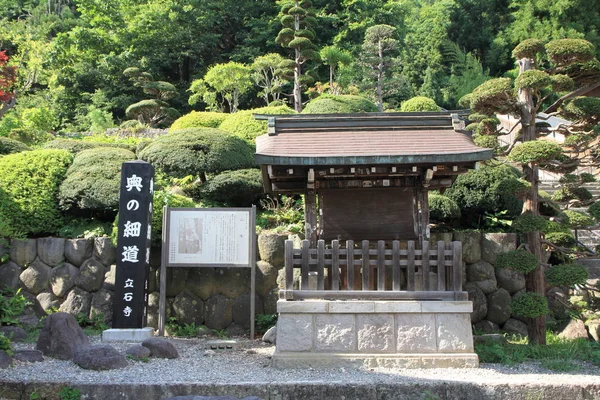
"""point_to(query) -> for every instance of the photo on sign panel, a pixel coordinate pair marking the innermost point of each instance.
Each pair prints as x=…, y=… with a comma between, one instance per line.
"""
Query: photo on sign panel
x=190, y=236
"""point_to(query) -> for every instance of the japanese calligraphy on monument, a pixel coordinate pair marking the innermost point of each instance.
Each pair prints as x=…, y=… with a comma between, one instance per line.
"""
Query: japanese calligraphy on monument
x=204, y=236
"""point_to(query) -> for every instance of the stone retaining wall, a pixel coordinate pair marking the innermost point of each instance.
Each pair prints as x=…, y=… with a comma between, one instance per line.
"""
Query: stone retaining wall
x=77, y=276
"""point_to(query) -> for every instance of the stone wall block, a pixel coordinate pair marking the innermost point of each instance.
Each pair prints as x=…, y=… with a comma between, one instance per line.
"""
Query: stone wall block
x=201, y=282
x=102, y=304
x=271, y=248
x=110, y=276
x=78, y=250
x=176, y=280
x=105, y=251
x=241, y=309
x=487, y=327
x=493, y=244
x=188, y=308
x=266, y=277
x=270, y=301
x=435, y=237
x=218, y=314
x=153, y=284
x=62, y=279
x=335, y=333
x=91, y=275
x=9, y=275
x=152, y=310
x=483, y=275
x=36, y=277
x=78, y=301
x=51, y=250
x=479, y=302
x=375, y=333
x=512, y=281
x=454, y=333
x=415, y=333
x=23, y=251
x=232, y=282
x=515, y=326
x=471, y=245
x=499, y=306
x=556, y=303
x=295, y=332
x=48, y=300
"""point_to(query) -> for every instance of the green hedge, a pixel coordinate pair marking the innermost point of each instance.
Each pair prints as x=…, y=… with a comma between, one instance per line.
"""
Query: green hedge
x=29, y=182
x=197, y=151
x=339, y=104
x=93, y=181
x=243, y=124
x=442, y=208
x=197, y=119
x=566, y=275
x=240, y=188
x=519, y=260
x=530, y=305
x=419, y=104
x=10, y=146
x=77, y=145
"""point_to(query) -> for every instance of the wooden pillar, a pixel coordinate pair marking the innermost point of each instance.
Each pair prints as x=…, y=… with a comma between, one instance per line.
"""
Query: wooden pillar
x=310, y=210
x=425, y=213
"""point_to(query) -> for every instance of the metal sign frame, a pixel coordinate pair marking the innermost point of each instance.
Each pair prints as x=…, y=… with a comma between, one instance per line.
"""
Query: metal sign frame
x=169, y=214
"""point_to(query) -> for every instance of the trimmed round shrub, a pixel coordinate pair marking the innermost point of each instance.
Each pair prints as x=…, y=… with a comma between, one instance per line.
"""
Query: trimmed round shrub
x=10, y=146
x=519, y=260
x=198, y=151
x=562, y=239
x=532, y=79
x=528, y=49
x=566, y=193
x=528, y=222
x=582, y=108
x=419, y=104
x=93, y=181
x=442, y=208
x=566, y=275
x=243, y=124
x=535, y=151
x=29, y=182
x=340, y=104
x=567, y=51
x=71, y=145
x=494, y=96
x=530, y=305
x=197, y=119
x=240, y=188
x=577, y=220
x=594, y=210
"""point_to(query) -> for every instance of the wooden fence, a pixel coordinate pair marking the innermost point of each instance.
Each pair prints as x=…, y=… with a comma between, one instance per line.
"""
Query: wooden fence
x=396, y=272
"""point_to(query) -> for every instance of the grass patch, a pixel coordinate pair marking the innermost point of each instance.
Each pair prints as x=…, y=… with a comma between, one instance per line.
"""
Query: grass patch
x=558, y=355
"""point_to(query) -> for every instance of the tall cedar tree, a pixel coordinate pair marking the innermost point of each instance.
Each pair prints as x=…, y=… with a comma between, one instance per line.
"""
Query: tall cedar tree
x=378, y=44
x=572, y=65
x=297, y=19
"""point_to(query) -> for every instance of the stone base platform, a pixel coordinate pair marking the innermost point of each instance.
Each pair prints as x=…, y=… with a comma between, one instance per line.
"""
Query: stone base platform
x=402, y=334
x=127, y=335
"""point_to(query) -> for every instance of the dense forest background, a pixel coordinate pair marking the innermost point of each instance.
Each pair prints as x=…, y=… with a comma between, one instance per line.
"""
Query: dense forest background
x=71, y=54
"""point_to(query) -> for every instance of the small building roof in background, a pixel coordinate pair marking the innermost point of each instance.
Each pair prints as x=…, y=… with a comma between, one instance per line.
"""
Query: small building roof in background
x=367, y=138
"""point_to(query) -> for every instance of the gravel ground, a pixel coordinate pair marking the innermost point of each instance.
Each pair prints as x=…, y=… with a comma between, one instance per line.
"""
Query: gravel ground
x=250, y=363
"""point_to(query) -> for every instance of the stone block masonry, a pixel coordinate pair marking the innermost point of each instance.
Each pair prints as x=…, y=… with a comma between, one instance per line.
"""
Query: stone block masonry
x=417, y=334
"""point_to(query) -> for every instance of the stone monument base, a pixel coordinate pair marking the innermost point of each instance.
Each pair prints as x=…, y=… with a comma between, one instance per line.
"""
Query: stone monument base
x=394, y=334
x=127, y=335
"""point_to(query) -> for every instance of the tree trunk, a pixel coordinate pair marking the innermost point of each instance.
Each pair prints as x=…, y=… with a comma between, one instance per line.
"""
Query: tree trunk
x=535, y=280
x=297, y=71
x=380, y=78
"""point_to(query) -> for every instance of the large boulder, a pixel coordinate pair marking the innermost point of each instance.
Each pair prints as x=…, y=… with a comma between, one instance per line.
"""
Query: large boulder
x=232, y=282
x=99, y=358
x=512, y=281
x=9, y=275
x=558, y=302
x=479, y=302
x=138, y=352
x=48, y=300
x=493, y=244
x=266, y=277
x=105, y=251
x=61, y=336
x=593, y=326
x=5, y=360
x=36, y=277
x=483, y=275
x=14, y=333
x=102, y=304
x=160, y=348
x=499, y=306
x=51, y=250
x=62, y=279
x=471, y=245
x=201, y=282
x=188, y=308
x=516, y=327
x=575, y=329
x=218, y=312
x=23, y=251
x=91, y=275
x=241, y=309
x=152, y=310
x=271, y=248
x=78, y=250
x=77, y=302
x=28, y=356
x=486, y=327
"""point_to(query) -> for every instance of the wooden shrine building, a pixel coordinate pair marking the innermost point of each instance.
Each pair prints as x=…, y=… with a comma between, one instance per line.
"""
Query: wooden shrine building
x=365, y=176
